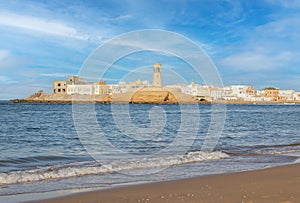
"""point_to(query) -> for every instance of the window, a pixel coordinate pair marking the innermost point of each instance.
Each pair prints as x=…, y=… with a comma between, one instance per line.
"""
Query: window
x=58, y=84
x=58, y=90
x=64, y=90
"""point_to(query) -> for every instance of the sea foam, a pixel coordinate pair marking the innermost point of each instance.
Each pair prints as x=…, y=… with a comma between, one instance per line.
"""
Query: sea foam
x=93, y=167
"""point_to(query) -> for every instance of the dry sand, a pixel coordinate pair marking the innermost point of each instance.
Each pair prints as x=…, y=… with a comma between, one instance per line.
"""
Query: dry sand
x=276, y=185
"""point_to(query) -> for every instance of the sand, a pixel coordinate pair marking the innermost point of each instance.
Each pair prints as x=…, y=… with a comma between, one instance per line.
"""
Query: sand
x=276, y=185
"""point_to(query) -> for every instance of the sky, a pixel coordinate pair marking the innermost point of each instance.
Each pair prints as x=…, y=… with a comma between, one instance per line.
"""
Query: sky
x=254, y=43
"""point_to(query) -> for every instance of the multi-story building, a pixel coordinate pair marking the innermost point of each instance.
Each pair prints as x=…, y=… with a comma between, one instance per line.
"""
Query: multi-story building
x=137, y=84
x=101, y=88
x=65, y=86
x=272, y=93
x=84, y=89
x=216, y=93
x=76, y=85
x=196, y=90
x=288, y=95
x=75, y=80
x=59, y=86
x=228, y=94
x=296, y=96
x=240, y=91
x=237, y=92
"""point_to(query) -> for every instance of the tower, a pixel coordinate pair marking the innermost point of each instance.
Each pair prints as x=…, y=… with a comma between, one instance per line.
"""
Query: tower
x=156, y=75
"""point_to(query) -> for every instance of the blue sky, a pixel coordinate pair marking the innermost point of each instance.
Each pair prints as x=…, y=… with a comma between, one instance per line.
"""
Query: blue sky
x=253, y=42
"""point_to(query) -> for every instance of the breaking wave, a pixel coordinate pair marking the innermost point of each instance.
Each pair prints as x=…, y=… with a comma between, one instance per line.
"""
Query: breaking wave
x=93, y=167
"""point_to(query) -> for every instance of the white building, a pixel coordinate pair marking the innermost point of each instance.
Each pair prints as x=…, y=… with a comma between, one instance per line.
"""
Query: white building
x=101, y=88
x=84, y=89
x=228, y=94
x=216, y=93
x=287, y=94
x=196, y=90
x=240, y=91
x=118, y=88
x=296, y=96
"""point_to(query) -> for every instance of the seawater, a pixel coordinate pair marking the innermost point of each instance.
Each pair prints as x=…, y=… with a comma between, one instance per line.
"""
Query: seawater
x=41, y=150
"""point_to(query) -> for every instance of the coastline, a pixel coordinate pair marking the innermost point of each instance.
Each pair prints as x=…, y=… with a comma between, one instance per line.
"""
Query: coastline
x=279, y=184
x=126, y=102
x=142, y=96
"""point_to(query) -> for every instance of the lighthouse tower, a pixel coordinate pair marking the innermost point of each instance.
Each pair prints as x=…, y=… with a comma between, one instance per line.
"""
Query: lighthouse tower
x=156, y=75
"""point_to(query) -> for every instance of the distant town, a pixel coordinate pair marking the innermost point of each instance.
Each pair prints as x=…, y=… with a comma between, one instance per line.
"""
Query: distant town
x=75, y=85
x=63, y=90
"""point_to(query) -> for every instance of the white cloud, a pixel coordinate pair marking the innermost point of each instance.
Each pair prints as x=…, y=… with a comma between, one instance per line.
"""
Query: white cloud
x=8, y=60
x=230, y=13
x=6, y=80
x=286, y=3
x=274, y=46
x=282, y=28
x=4, y=54
x=40, y=25
x=253, y=61
x=118, y=19
x=58, y=75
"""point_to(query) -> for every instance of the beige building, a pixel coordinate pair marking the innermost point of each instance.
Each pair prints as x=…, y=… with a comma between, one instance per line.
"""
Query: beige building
x=59, y=86
x=137, y=84
x=75, y=80
x=272, y=93
x=65, y=87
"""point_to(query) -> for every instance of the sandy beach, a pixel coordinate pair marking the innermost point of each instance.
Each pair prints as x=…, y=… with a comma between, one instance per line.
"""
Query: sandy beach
x=279, y=184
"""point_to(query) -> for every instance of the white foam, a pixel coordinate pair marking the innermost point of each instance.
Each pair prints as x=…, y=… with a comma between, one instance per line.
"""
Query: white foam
x=92, y=168
x=278, y=151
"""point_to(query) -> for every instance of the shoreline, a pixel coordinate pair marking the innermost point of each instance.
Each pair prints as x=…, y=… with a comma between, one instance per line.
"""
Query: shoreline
x=125, y=102
x=277, y=184
x=141, y=96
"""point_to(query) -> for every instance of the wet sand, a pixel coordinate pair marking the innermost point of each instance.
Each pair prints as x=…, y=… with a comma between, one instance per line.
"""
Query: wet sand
x=276, y=185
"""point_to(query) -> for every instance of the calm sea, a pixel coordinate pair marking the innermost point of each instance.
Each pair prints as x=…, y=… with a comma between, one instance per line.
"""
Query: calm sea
x=41, y=151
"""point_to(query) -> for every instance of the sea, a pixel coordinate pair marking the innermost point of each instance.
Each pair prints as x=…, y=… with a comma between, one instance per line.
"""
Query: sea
x=50, y=150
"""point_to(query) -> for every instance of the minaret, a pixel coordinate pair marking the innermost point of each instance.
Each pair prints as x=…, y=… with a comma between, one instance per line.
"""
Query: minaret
x=156, y=75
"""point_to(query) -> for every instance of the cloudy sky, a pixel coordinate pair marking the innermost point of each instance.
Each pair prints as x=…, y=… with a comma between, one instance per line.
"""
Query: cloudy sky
x=253, y=42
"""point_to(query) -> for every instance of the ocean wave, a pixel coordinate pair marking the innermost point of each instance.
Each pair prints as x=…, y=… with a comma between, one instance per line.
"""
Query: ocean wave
x=92, y=168
x=276, y=151
x=263, y=150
